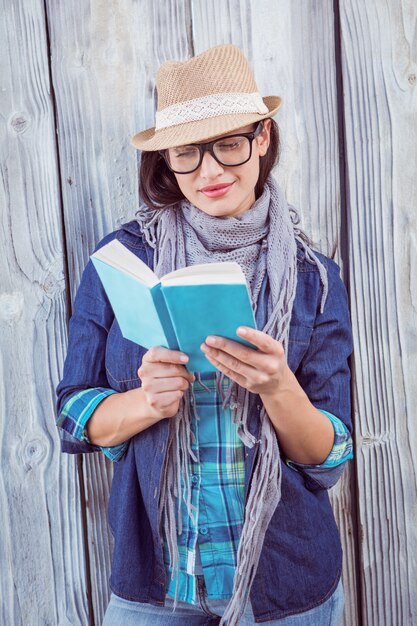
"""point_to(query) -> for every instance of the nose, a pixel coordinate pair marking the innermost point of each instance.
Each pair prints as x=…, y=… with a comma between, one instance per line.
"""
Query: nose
x=209, y=167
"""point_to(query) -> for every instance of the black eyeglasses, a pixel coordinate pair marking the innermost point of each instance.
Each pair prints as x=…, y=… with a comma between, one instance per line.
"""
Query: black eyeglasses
x=230, y=151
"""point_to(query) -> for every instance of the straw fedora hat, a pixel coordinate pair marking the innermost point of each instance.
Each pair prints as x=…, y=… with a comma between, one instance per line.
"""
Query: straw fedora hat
x=211, y=94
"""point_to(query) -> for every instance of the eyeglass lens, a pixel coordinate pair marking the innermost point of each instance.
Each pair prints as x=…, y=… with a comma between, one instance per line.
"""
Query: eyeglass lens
x=228, y=151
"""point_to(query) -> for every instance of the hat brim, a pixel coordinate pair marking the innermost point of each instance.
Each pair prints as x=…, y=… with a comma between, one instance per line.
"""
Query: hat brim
x=201, y=130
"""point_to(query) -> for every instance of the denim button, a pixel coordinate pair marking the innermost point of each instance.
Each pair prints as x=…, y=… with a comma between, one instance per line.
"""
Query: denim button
x=203, y=530
x=194, y=479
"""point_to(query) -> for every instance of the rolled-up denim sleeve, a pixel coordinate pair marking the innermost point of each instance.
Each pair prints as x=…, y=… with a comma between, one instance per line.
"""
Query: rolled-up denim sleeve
x=328, y=472
x=77, y=411
x=324, y=374
x=84, y=383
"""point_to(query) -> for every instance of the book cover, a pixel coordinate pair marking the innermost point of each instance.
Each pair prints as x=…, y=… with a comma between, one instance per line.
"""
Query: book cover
x=179, y=310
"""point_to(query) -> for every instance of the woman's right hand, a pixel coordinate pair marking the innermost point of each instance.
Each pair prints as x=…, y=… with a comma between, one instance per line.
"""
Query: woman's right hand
x=164, y=380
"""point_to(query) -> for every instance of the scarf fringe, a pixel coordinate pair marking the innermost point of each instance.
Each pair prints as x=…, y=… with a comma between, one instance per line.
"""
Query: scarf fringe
x=263, y=498
x=179, y=236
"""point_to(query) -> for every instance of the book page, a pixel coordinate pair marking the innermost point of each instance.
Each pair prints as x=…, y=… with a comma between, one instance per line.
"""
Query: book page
x=117, y=255
x=206, y=274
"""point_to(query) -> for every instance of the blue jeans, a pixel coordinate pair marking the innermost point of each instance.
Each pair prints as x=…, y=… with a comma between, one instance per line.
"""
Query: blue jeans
x=207, y=612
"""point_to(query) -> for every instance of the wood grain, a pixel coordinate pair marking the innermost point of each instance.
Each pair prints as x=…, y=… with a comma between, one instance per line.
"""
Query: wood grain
x=103, y=64
x=41, y=546
x=379, y=76
x=281, y=44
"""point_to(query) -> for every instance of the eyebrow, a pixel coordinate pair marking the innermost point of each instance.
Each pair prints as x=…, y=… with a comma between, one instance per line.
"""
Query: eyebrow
x=231, y=134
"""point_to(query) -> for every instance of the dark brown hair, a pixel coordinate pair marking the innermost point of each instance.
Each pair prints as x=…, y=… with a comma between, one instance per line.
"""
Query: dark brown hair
x=158, y=187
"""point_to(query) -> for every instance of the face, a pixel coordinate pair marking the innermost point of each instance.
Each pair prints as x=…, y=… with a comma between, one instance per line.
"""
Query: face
x=222, y=191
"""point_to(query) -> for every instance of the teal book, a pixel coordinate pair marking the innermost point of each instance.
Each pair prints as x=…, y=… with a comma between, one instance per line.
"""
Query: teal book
x=178, y=310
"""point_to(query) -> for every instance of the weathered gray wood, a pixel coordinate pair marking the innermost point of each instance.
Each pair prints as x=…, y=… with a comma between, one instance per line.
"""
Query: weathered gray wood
x=104, y=57
x=379, y=77
x=42, y=570
x=281, y=44
x=103, y=66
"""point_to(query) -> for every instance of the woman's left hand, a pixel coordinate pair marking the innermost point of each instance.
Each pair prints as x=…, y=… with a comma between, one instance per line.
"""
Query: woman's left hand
x=260, y=371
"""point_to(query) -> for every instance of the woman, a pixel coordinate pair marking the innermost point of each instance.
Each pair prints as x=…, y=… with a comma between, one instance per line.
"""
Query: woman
x=219, y=490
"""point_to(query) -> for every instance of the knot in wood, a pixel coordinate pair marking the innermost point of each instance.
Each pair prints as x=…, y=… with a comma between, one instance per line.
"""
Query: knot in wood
x=53, y=282
x=34, y=453
x=19, y=122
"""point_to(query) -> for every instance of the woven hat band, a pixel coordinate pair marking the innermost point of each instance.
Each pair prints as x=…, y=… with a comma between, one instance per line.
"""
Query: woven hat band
x=212, y=105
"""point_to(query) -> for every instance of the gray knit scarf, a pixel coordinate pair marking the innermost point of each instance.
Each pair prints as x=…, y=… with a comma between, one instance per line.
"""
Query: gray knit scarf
x=263, y=241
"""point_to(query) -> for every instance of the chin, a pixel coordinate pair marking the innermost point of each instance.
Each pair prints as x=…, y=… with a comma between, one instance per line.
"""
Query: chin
x=218, y=210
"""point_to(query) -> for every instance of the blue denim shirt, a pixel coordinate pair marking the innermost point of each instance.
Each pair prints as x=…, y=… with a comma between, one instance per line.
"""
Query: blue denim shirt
x=301, y=560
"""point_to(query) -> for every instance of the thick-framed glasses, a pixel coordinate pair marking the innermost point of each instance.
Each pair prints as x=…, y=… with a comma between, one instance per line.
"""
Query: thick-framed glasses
x=229, y=151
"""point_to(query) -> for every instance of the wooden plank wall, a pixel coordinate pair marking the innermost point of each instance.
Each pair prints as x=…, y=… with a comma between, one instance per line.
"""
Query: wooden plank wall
x=379, y=60
x=76, y=82
x=41, y=538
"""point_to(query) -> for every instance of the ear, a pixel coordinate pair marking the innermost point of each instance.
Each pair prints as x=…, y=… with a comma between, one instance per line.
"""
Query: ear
x=263, y=138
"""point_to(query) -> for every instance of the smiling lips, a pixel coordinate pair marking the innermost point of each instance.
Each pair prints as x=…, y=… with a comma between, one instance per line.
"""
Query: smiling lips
x=215, y=191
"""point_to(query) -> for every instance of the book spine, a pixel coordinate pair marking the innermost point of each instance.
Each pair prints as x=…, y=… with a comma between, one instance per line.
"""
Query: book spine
x=164, y=317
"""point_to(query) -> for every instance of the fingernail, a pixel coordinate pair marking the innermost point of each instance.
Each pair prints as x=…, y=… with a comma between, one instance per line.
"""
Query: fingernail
x=183, y=358
x=242, y=331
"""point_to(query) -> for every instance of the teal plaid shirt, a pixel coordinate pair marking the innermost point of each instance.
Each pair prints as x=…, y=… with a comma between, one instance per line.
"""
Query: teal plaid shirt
x=209, y=545
x=217, y=494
